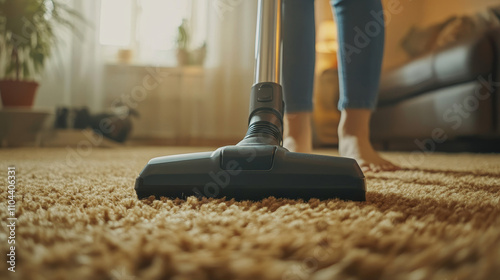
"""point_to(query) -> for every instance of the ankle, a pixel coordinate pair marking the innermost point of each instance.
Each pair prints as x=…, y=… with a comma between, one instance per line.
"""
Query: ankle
x=298, y=131
x=355, y=123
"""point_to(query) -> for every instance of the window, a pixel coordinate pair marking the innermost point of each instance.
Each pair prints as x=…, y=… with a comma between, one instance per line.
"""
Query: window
x=116, y=22
x=149, y=27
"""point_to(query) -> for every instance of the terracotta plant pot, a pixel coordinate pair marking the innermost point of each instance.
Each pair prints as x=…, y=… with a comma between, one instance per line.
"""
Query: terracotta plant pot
x=182, y=57
x=17, y=93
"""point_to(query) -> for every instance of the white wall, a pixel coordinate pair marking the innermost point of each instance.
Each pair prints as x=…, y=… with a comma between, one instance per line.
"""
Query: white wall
x=401, y=15
x=421, y=13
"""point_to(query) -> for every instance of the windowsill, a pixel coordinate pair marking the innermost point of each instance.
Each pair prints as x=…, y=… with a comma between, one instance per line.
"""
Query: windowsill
x=143, y=65
x=185, y=69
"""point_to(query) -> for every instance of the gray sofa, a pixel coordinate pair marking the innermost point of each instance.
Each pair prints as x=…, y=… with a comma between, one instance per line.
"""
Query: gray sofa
x=445, y=96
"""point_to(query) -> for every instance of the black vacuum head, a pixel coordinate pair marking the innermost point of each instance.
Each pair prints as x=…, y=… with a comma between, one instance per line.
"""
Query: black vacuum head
x=252, y=172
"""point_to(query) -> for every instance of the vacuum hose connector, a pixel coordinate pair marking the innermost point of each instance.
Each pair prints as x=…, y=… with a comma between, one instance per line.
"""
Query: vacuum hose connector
x=265, y=123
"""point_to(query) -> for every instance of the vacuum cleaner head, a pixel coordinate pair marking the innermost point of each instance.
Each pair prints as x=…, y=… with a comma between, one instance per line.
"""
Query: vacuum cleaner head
x=252, y=173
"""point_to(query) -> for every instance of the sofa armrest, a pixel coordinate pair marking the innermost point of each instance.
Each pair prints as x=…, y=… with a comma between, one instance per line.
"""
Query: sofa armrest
x=494, y=36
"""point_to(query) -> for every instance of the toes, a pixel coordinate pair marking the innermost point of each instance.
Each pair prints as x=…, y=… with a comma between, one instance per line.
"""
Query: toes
x=375, y=163
x=365, y=167
x=370, y=167
x=389, y=166
x=385, y=165
x=377, y=167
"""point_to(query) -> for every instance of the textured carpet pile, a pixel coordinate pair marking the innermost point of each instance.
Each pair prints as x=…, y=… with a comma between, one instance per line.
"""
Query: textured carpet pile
x=79, y=218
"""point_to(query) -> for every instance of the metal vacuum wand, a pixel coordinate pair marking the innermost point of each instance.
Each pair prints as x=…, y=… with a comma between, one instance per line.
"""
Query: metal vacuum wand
x=265, y=123
x=268, y=42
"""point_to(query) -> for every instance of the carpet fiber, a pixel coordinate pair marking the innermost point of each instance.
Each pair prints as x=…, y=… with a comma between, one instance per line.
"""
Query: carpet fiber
x=79, y=218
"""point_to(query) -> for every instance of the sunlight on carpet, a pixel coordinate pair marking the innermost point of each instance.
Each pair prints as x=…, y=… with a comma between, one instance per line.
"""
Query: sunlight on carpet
x=79, y=218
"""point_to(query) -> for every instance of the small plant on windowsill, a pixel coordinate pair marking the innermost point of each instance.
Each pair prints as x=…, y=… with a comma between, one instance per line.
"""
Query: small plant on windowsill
x=186, y=56
x=28, y=35
x=182, y=43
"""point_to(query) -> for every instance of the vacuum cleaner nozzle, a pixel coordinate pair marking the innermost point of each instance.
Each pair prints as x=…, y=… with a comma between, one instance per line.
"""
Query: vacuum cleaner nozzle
x=257, y=167
x=252, y=173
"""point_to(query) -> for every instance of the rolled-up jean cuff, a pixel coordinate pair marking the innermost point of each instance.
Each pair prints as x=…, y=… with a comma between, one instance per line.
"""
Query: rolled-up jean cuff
x=300, y=107
x=357, y=104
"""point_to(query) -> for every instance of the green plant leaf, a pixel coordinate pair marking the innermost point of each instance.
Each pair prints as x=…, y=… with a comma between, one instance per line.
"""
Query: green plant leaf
x=28, y=26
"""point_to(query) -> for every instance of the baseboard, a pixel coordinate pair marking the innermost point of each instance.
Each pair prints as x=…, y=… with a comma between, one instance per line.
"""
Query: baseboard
x=185, y=142
x=461, y=145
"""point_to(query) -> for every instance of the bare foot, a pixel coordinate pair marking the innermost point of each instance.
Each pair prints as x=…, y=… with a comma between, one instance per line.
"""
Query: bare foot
x=354, y=141
x=297, y=135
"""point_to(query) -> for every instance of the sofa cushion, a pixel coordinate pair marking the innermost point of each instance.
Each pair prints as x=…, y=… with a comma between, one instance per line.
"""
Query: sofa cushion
x=459, y=63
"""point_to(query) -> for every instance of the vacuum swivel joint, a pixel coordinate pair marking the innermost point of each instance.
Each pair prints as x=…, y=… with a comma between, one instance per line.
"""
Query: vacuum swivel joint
x=265, y=122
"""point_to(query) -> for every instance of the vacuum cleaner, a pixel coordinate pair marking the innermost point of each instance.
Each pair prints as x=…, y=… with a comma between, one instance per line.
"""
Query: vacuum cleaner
x=258, y=166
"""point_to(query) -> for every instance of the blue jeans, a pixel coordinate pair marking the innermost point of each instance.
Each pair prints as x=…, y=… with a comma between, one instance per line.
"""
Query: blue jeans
x=361, y=35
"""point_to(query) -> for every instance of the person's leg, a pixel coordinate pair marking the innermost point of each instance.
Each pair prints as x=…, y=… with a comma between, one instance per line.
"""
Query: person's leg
x=298, y=72
x=361, y=46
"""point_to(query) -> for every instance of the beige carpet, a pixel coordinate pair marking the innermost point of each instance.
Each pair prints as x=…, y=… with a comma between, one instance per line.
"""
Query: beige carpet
x=438, y=220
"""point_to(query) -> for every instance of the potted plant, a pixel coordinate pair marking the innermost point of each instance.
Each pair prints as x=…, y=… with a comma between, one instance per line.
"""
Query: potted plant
x=27, y=37
x=182, y=43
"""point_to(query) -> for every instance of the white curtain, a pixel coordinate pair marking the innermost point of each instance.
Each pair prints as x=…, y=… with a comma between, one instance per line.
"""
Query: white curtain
x=72, y=76
x=229, y=67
